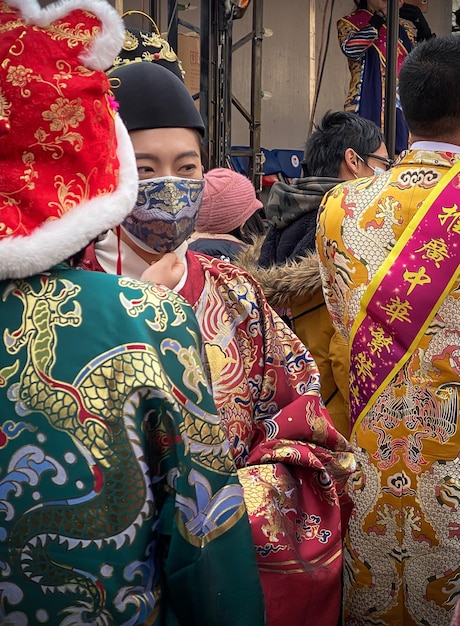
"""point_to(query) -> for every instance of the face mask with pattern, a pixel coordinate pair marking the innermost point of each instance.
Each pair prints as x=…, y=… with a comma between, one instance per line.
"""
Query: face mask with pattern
x=165, y=213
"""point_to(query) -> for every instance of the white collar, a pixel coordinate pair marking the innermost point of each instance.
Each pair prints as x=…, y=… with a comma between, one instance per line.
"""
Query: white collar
x=106, y=250
x=435, y=146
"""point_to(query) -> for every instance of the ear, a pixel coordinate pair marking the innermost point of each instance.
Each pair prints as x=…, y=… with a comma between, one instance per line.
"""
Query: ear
x=351, y=162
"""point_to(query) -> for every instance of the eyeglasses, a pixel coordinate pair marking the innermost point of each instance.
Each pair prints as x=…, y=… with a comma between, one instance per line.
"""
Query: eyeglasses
x=388, y=162
x=376, y=170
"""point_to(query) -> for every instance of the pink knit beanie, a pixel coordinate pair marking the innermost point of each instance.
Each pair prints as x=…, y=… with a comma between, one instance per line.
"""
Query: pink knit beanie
x=229, y=199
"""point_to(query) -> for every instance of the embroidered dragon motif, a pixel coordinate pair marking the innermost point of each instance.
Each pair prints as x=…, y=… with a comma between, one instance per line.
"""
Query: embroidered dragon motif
x=101, y=431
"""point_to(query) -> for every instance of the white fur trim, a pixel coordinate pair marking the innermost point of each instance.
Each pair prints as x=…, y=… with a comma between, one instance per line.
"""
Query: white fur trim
x=106, y=45
x=59, y=239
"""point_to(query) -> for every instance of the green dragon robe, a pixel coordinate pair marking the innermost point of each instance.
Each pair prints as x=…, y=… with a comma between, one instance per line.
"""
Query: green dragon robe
x=119, y=502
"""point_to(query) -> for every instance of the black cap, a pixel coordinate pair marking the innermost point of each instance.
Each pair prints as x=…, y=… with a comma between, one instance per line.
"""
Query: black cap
x=151, y=96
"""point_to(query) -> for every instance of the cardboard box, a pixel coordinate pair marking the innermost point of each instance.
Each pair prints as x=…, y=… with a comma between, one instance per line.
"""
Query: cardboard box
x=189, y=54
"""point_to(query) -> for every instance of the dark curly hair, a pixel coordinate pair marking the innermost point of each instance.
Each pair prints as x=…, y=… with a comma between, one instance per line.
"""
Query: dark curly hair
x=338, y=130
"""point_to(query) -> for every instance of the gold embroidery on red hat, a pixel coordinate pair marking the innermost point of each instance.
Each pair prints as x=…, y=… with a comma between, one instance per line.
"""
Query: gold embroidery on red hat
x=20, y=76
x=62, y=126
x=62, y=115
x=13, y=198
x=66, y=168
x=65, y=114
x=72, y=192
x=5, y=109
x=60, y=31
x=4, y=28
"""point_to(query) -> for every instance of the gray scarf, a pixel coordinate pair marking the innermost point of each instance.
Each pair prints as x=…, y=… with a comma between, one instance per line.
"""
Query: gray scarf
x=287, y=202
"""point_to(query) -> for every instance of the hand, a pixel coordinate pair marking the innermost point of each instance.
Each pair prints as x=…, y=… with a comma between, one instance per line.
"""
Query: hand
x=167, y=271
x=377, y=21
x=414, y=14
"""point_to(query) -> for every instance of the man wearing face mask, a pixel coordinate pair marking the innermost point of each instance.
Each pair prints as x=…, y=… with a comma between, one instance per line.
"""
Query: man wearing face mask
x=291, y=460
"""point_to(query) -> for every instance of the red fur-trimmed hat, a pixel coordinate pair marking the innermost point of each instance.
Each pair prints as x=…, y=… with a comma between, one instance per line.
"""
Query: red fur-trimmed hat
x=67, y=168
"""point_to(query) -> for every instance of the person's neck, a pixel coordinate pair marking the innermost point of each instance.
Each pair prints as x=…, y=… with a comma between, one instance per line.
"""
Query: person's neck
x=148, y=257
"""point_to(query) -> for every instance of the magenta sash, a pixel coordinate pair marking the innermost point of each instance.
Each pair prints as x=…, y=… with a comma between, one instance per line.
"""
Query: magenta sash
x=405, y=294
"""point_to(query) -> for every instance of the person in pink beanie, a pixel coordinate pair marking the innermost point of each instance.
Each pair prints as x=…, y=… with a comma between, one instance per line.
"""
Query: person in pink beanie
x=229, y=216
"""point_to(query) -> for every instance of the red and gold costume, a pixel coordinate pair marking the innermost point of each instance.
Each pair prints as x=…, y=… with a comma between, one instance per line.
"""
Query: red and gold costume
x=291, y=461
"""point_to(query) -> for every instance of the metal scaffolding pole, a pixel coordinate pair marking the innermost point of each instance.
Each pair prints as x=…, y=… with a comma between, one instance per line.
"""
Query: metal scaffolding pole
x=255, y=164
x=391, y=76
x=207, y=64
x=173, y=22
x=208, y=51
x=216, y=98
x=253, y=116
x=223, y=86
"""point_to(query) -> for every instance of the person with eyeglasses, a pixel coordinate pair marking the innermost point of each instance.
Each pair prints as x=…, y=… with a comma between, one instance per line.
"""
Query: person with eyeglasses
x=389, y=250
x=286, y=264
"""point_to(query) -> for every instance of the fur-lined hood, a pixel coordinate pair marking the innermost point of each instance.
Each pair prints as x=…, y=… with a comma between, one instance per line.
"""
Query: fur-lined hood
x=282, y=284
